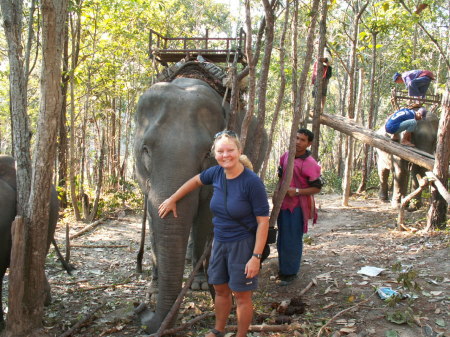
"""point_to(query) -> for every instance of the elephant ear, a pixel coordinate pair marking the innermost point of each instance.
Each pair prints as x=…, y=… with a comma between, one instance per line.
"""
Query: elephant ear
x=8, y=170
x=208, y=161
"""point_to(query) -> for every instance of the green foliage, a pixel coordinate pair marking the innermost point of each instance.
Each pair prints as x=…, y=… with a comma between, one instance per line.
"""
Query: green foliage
x=333, y=182
x=127, y=196
x=400, y=316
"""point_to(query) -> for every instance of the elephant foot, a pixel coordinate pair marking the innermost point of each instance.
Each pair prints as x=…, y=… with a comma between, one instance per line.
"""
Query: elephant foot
x=383, y=196
x=200, y=283
x=148, y=319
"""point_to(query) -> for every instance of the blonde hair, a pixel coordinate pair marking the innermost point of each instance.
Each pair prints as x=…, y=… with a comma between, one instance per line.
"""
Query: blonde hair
x=246, y=162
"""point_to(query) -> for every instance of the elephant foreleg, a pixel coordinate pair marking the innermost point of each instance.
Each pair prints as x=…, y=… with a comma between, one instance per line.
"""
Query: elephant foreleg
x=383, y=193
x=401, y=176
x=2, y=322
x=201, y=232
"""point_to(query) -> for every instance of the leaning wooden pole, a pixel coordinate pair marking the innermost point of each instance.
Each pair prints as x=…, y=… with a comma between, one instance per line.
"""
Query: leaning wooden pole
x=367, y=136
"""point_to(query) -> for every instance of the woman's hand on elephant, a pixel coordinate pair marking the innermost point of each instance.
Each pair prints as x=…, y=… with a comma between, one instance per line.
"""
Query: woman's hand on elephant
x=252, y=267
x=166, y=207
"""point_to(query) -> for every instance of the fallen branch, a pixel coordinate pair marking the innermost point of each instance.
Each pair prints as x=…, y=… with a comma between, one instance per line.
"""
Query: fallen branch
x=343, y=311
x=100, y=246
x=65, y=265
x=284, y=304
x=87, y=228
x=189, y=323
x=310, y=284
x=86, y=318
x=267, y=328
x=98, y=287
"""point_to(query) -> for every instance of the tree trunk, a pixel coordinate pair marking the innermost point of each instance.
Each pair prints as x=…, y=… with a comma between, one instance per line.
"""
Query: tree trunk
x=346, y=184
x=12, y=24
x=263, y=78
x=62, y=140
x=101, y=161
x=280, y=93
x=29, y=309
x=281, y=192
x=370, y=117
x=319, y=82
x=436, y=216
x=252, y=76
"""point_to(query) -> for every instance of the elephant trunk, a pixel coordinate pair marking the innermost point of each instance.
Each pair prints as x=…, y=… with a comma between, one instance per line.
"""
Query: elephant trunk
x=170, y=237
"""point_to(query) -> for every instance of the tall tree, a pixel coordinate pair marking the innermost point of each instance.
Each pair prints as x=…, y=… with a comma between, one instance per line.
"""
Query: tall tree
x=12, y=24
x=26, y=307
x=319, y=83
x=351, y=105
x=297, y=115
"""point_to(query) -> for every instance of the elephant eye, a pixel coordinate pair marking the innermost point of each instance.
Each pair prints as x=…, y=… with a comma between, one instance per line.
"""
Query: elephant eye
x=146, y=158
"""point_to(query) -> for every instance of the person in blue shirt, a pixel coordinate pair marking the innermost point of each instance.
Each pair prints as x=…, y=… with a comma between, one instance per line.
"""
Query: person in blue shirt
x=241, y=220
x=404, y=119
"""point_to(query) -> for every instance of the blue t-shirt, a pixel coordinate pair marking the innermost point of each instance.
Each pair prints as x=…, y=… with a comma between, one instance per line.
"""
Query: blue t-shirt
x=399, y=116
x=246, y=199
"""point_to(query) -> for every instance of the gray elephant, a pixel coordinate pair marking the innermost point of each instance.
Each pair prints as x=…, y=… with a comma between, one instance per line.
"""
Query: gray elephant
x=425, y=138
x=7, y=215
x=175, y=127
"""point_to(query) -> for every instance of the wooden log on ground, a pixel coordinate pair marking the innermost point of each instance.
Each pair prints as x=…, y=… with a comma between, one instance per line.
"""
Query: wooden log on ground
x=367, y=136
x=86, y=229
x=85, y=319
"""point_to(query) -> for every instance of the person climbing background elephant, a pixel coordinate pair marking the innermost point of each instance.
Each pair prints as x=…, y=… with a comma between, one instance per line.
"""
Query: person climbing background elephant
x=8, y=194
x=424, y=138
x=175, y=127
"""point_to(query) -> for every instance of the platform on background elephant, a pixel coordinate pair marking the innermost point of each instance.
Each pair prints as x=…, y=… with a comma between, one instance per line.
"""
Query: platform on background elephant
x=8, y=195
x=425, y=139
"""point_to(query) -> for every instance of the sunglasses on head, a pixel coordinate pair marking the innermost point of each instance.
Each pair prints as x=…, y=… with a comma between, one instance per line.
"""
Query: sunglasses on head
x=225, y=132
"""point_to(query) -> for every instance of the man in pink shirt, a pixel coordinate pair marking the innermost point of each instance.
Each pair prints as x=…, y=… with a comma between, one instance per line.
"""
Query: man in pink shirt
x=298, y=206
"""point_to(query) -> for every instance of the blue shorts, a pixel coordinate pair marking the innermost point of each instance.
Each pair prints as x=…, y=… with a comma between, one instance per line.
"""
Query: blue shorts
x=227, y=264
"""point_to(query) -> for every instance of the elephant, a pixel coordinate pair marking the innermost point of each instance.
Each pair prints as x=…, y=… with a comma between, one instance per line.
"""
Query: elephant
x=175, y=126
x=425, y=139
x=8, y=194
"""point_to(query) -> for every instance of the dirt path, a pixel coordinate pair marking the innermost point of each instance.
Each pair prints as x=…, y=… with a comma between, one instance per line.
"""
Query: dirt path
x=344, y=241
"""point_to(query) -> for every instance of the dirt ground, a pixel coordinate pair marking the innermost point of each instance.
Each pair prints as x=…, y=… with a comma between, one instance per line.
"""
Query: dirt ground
x=106, y=287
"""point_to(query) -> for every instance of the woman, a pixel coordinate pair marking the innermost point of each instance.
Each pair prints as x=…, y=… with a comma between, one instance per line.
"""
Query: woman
x=241, y=220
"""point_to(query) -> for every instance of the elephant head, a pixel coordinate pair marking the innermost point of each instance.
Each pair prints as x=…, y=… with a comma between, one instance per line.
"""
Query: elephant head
x=8, y=195
x=175, y=126
x=424, y=138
